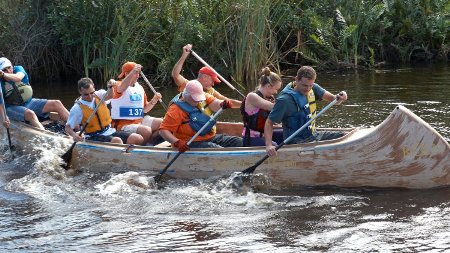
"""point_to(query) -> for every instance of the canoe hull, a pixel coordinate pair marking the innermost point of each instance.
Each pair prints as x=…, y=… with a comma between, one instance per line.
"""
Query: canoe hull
x=403, y=151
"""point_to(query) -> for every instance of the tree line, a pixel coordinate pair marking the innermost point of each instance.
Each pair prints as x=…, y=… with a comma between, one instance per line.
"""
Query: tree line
x=60, y=39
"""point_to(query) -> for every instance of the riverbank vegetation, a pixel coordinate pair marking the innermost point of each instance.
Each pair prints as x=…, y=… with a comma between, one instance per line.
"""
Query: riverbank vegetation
x=74, y=38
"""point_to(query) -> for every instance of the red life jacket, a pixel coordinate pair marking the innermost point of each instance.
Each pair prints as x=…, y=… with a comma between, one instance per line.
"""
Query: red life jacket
x=256, y=121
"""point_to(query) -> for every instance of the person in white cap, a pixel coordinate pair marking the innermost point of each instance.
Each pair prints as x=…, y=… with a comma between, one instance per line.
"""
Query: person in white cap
x=183, y=119
x=18, y=97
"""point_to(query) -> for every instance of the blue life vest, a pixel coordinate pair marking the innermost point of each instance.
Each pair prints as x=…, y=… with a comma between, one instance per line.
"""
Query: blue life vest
x=305, y=110
x=197, y=119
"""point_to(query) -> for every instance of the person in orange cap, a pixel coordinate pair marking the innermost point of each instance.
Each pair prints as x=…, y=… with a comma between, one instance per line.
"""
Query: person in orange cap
x=206, y=76
x=129, y=105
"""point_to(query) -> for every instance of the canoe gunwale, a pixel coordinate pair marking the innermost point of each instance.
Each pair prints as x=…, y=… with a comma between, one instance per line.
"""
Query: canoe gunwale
x=392, y=154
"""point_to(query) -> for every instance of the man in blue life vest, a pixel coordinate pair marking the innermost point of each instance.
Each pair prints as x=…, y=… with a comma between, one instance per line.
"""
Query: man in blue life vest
x=183, y=119
x=18, y=95
x=295, y=105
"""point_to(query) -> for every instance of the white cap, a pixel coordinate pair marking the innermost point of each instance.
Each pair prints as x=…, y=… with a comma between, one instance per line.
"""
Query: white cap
x=4, y=63
x=195, y=89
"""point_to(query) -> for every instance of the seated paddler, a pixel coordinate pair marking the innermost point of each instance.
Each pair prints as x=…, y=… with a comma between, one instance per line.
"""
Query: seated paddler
x=18, y=97
x=295, y=106
x=187, y=114
x=90, y=109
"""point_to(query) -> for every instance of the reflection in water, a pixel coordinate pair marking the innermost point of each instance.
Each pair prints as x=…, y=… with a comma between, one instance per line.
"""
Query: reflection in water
x=43, y=210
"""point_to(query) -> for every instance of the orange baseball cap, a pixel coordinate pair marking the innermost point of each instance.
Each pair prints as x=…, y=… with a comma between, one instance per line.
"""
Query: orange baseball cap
x=127, y=67
x=211, y=73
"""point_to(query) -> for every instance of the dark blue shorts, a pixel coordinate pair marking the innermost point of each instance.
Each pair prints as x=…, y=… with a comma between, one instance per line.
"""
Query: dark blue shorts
x=17, y=112
x=107, y=138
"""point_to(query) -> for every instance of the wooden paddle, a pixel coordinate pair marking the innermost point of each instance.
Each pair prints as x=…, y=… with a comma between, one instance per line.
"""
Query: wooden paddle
x=221, y=78
x=153, y=90
x=6, y=117
x=158, y=177
x=67, y=157
x=251, y=169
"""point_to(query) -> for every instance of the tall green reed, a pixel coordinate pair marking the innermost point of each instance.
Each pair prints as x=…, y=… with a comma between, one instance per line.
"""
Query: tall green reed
x=252, y=40
x=109, y=32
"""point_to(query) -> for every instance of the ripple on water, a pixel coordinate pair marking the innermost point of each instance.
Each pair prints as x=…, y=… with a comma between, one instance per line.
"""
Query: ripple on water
x=44, y=210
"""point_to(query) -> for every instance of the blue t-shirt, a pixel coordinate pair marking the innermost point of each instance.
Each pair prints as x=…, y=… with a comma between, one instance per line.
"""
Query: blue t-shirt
x=286, y=106
x=16, y=70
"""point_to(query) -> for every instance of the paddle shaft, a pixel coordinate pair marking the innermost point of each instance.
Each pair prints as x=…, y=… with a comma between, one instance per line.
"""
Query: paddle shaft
x=68, y=155
x=158, y=177
x=252, y=168
x=6, y=117
x=83, y=128
x=221, y=78
x=153, y=90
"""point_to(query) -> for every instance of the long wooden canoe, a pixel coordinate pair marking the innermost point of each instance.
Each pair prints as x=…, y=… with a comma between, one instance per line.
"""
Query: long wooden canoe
x=403, y=151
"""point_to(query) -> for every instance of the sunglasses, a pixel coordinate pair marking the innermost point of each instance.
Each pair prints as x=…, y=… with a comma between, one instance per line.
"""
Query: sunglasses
x=4, y=69
x=87, y=94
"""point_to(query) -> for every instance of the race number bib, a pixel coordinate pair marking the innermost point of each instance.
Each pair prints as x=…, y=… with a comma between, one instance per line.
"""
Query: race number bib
x=131, y=112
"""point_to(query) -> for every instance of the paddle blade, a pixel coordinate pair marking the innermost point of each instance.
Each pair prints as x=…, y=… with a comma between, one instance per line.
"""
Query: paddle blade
x=157, y=178
x=250, y=170
x=67, y=157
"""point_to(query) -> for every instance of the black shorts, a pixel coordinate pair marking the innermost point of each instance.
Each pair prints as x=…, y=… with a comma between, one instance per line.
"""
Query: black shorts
x=102, y=138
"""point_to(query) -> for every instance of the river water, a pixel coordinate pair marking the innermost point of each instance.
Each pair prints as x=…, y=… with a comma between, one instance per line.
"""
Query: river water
x=42, y=210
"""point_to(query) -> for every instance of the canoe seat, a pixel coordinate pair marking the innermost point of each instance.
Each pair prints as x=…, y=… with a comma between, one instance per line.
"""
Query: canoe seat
x=164, y=144
x=54, y=116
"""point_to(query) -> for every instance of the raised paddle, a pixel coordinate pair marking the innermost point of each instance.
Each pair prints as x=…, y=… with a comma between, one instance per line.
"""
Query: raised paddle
x=221, y=78
x=67, y=157
x=6, y=117
x=251, y=169
x=153, y=90
x=158, y=177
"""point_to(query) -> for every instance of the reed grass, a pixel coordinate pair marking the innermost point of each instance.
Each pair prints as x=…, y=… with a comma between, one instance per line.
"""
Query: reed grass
x=237, y=37
x=252, y=40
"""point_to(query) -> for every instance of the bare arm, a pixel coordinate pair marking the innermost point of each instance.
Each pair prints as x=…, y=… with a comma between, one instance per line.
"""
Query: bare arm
x=215, y=105
x=236, y=103
x=329, y=97
x=152, y=102
x=110, y=92
x=5, y=117
x=17, y=77
x=176, y=71
x=73, y=134
x=168, y=136
x=258, y=102
x=268, y=131
x=130, y=79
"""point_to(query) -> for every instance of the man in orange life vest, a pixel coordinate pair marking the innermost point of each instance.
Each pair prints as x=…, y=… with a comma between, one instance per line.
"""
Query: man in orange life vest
x=99, y=127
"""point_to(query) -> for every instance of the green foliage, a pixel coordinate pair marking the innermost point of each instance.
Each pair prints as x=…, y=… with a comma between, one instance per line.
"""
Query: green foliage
x=109, y=32
x=237, y=37
x=416, y=24
x=26, y=37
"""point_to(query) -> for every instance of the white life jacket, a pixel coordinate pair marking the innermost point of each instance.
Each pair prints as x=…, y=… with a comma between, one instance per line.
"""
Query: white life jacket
x=130, y=105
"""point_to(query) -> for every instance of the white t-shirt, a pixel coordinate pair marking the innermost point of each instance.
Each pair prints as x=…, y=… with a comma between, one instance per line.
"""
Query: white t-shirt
x=76, y=114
